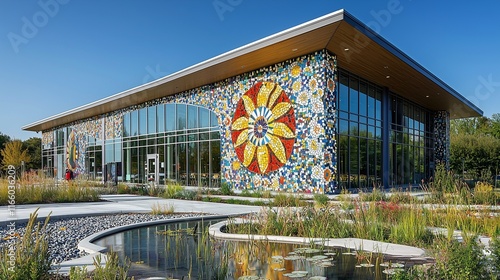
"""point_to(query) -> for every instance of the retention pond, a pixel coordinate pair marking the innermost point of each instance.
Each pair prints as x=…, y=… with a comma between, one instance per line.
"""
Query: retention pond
x=184, y=250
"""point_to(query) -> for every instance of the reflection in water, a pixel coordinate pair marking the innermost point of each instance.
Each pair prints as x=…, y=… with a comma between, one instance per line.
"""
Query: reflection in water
x=175, y=251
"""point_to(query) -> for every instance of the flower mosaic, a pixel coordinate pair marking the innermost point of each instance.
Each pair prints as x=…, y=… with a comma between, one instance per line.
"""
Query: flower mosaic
x=267, y=139
x=263, y=128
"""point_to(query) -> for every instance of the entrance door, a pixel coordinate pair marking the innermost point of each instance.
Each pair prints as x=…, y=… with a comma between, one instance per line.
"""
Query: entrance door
x=152, y=168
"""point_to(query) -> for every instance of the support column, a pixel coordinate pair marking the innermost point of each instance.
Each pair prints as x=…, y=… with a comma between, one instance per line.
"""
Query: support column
x=442, y=138
x=386, y=137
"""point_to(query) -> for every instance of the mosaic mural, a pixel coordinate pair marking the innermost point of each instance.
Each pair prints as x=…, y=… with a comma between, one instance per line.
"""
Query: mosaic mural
x=72, y=152
x=263, y=128
x=301, y=158
x=442, y=138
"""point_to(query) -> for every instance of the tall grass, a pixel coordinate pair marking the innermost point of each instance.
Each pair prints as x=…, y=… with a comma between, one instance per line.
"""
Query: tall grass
x=29, y=253
x=113, y=269
x=45, y=190
x=162, y=209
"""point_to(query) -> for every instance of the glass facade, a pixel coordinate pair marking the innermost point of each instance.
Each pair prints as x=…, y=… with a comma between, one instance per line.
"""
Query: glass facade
x=361, y=138
x=410, y=142
x=349, y=133
x=170, y=143
x=359, y=132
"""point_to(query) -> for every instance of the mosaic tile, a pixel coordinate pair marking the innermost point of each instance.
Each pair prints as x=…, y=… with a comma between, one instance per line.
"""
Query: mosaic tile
x=442, y=138
x=309, y=84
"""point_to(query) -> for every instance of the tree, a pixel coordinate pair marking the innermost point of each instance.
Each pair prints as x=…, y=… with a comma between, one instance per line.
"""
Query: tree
x=470, y=126
x=34, y=148
x=474, y=154
x=495, y=125
x=3, y=139
x=13, y=154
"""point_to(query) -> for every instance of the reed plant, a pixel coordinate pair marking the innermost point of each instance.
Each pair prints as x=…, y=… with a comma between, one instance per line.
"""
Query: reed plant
x=321, y=200
x=47, y=191
x=27, y=257
x=162, y=209
x=411, y=228
x=288, y=200
x=112, y=269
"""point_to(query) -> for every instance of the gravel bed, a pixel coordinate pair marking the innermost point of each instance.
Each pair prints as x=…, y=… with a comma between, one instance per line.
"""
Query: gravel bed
x=65, y=234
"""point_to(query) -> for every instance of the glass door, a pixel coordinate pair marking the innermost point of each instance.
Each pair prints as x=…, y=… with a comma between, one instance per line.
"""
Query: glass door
x=152, y=168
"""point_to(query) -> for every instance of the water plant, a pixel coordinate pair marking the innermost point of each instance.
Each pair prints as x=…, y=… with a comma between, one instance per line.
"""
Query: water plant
x=112, y=269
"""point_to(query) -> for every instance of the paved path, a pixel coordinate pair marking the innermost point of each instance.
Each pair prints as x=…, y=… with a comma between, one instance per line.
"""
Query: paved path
x=113, y=204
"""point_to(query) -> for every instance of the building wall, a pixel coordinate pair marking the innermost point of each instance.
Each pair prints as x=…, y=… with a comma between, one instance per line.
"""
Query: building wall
x=305, y=163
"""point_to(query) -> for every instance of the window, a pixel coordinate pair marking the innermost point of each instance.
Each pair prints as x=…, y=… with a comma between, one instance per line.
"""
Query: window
x=143, y=121
x=188, y=151
x=360, y=132
x=152, y=119
x=410, y=149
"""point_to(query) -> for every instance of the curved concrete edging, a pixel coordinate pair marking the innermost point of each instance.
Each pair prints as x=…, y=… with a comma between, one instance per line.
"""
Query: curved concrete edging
x=95, y=250
x=391, y=250
x=88, y=246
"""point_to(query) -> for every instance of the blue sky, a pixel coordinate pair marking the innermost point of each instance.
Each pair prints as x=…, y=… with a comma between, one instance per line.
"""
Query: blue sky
x=56, y=55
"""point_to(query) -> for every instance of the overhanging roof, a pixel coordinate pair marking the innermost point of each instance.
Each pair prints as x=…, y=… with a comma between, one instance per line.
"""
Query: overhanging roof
x=359, y=50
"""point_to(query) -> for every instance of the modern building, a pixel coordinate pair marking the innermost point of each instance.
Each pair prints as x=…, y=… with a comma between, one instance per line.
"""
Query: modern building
x=321, y=106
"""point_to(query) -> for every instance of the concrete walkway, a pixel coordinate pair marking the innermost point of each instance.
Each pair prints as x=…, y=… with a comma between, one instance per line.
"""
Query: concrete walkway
x=114, y=204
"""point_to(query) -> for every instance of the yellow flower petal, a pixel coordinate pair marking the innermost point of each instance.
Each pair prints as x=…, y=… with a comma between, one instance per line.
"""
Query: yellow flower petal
x=279, y=110
x=239, y=124
x=274, y=96
x=264, y=92
x=280, y=129
x=262, y=158
x=249, y=106
x=248, y=154
x=277, y=148
x=241, y=138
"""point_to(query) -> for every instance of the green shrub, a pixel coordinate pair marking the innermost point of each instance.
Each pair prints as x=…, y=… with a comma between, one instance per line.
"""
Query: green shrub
x=484, y=194
x=112, y=269
x=154, y=190
x=287, y=200
x=122, y=188
x=78, y=273
x=172, y=190
x=321, y=199
x=225, y=189
x=495, y=256
x=375, y=195
x=459, y=261
x=188, y=195
x=31, y=256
